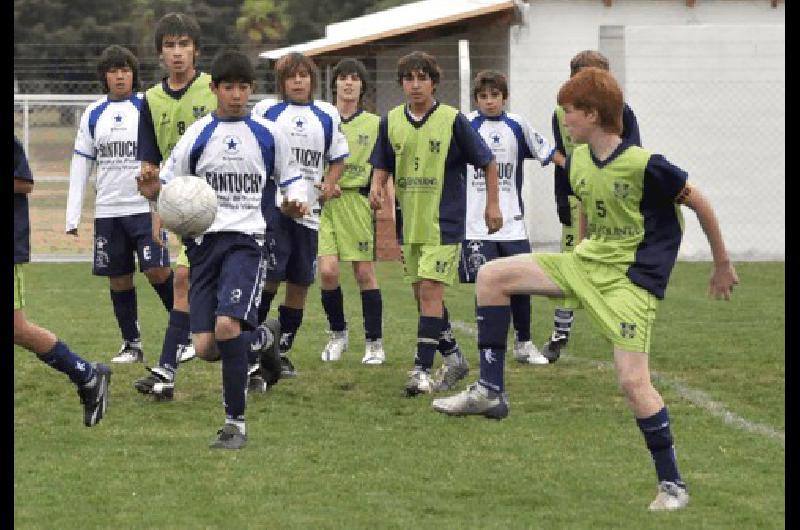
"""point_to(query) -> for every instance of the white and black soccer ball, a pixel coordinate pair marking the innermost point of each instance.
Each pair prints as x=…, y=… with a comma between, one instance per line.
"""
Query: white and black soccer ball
x=187, y=205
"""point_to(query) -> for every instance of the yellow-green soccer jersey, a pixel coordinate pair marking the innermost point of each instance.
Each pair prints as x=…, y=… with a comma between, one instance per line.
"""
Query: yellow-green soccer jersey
x=429, y=161
x=633, y=219
x=361, y=131
x=172, y=116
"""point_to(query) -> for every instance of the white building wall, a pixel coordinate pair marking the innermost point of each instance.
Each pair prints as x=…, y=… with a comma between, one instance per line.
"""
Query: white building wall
x=707, y=84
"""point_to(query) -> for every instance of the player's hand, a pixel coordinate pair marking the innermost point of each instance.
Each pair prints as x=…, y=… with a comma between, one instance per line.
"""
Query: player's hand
x=723, y=278
x=493, y=218
x=375, y=197
x=329, y=191
x=294, y=208
x=73, y=232
x=156, y=232
x=147, y=182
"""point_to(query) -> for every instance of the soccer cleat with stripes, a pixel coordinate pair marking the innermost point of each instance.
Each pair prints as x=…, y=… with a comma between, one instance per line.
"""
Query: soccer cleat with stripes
x=419, y=382
x=337, y=344
x=552, y=349
x=95, y=398
x=373, y=352
x=670, y=497
x=129, y=352
x=160, y=383
x=475, y=400
x=526, y=352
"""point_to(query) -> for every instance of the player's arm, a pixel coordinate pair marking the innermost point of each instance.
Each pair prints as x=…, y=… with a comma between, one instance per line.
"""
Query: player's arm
x=23, y=186
x=477, y=153
x=330, y=182
x=83, y=161
x=382, y=161
x=147, y=150
x=723, y=277
x=492, y=214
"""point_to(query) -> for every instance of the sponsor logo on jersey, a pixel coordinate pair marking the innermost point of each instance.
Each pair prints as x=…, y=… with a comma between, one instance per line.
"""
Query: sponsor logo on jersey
x=234, y=182
x=413, y=182
x=307, y=157
x=117, y=149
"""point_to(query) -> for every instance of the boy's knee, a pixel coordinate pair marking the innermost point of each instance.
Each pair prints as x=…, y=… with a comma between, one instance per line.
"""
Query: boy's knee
x=205, y=347
x=227, y=328
x=157, y=275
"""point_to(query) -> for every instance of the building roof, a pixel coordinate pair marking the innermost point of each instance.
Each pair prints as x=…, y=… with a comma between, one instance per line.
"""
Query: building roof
x=394, y=22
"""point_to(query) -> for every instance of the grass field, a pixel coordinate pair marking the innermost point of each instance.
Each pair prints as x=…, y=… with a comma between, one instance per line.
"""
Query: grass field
x=339, y=447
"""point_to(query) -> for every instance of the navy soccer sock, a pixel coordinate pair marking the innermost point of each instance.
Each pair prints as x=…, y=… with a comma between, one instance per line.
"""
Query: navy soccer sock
x=264, y=305
x=521, y=316
x=124, y=303
x=658, y=437
x=447, y=340
x=64, y=360
x=290, y=319
x=233, y=353
x=372, y=310
x=165, y=291
x=333, y=303
x=177, y=333
x=493, y=324
x=428, y=331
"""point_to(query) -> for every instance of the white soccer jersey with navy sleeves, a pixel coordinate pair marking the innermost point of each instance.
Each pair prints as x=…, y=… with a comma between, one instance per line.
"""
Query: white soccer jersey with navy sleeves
x=237, y=157
x=315, y=138
x=512, y=140
x=106, y=138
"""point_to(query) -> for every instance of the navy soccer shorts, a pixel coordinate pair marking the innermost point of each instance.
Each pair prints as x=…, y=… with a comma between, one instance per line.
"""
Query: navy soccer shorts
x=476, y=252
x=117, y=239
x=290, y=251
x=226, y=277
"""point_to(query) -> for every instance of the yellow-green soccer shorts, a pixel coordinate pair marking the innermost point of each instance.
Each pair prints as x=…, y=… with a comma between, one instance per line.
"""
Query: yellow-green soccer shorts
x=623, y=311
x=430, y=262
x=19, y=287
x=183, y=259
x=569, y=234
x=346, y=228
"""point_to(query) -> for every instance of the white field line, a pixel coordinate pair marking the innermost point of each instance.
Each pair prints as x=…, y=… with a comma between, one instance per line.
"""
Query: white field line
x=692, y=395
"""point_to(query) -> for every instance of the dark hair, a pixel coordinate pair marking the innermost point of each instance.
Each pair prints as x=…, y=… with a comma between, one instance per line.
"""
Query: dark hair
x=587, y=58
x=230, y=66
x=116, y=56
x=350, y=66
x=177, y=24
x=288, y=65
x=421, y=61
x=489, y=79
x=595, y=89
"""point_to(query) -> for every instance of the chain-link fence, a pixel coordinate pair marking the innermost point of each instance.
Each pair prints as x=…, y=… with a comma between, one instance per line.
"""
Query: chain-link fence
x=728, y=133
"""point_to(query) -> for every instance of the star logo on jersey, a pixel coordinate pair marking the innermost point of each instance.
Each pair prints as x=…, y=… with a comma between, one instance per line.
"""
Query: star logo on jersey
x=118, y=118
x=232, y=144
x=299, y=122
x=495, y=137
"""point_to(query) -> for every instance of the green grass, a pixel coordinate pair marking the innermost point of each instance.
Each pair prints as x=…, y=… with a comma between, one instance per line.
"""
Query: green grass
x=339, y=447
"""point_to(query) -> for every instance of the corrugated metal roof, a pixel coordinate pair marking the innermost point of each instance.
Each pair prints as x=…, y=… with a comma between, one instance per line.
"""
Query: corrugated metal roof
x=393, y=22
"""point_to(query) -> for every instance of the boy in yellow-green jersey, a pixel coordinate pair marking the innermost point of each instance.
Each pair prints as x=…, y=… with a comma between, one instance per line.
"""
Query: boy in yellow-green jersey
x=167, y=110
x=567, y=205
x=427, y=145
x=347, y=227
x=632, y=202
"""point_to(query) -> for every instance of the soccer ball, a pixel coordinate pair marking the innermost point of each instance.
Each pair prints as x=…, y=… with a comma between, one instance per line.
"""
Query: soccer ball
x=187, y=205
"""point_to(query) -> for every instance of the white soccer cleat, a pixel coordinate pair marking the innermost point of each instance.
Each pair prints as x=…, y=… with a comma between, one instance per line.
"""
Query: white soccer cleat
x=337, y=344
x=419, y=382
x=129, y=352
x=477, y=400
x=526, y=352
x=374, y=353
x=670, y=497
x=186, y=352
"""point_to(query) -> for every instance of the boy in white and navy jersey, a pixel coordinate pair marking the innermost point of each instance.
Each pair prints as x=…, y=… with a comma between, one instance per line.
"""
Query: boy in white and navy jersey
x=107, y=140
x=313, y=129
x=244, y=158
x=512, y=140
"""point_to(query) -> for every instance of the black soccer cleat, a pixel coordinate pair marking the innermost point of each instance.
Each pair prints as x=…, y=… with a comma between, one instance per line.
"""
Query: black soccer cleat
x=270, y=365
x=229, y=437
x=95, y=398
x=160, y=383
x=551, y=349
